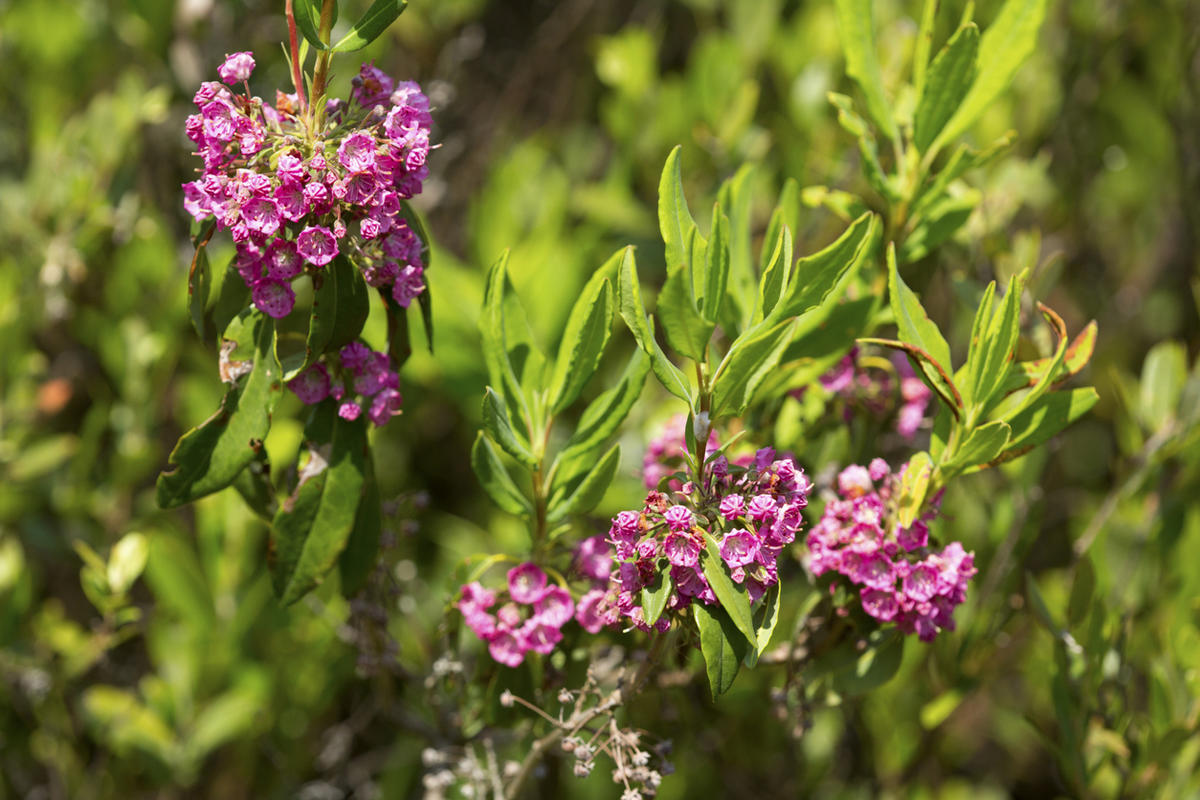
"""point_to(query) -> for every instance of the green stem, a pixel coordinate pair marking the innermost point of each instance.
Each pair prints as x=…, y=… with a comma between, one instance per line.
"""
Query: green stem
x=317, y=90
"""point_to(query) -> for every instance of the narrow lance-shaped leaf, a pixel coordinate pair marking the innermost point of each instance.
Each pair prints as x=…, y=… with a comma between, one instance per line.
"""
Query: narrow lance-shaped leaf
x=591, y=489
x=604, y=415
x=1006, y=43
x=924, y=44
x=816, y=275
x=776, y=272
x=655, y=596
x=674, y=219
x=984, y=444
x=210, y=456
x=200, y=280
x=685, y=327
x=748, y=362
x=914, y=324
x=312, y=527
x=500, y=429
x=913, y=487
x=721, y=644
x=950, y=76
x=988, y=365
x=718, y=267
x=634, y=314
x=494, y=478
x=308, y=20
x=733, y=598
x=856, y=25
x=374, y=22
x=1045, y=418
x=583, y=343
x=362, y=547
x=768, y=618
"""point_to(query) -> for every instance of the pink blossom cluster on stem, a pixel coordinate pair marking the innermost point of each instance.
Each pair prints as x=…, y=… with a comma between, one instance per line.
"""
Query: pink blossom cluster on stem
x=360, y=379
x=528, y=616
x=871, y=390
x=294, y=199
x=751, y=512
x=899, y=575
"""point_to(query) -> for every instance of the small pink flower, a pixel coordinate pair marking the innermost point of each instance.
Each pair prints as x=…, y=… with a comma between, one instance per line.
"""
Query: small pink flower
x=237, y=67
x=385, y=406
x=678, y=518
x=317, y=245
x=312, y=385
x=587, y=611
x=526, y=583
x=880, y=604
x=283, y=262
x=349, y=410
x=681, y=550
x=554, y=607
x=739, y=548
x=506, y=650
x=272, y=298
x=732, y=506
x=357, y=152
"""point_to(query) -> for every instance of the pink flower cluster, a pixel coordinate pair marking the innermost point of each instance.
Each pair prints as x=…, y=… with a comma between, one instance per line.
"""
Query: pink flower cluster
x=751, y=512
x=529, y=619
x=364, y=382
x=859, y=386
x=899, y=576
x=665, y=453
x=295, y=199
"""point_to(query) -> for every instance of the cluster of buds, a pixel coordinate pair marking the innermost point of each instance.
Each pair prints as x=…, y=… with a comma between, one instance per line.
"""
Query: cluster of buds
x=749, y=514
x=530, y=618
x=858, y=385
x=898, y=575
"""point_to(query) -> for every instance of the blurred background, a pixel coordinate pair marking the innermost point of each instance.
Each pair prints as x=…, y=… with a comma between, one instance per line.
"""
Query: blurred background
x=554, y=118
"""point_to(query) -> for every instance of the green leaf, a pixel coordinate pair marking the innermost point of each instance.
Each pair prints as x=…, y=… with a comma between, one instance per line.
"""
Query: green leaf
x=591, y=489
x=938, y=222
x=674, y=219
x=950, y=76
x=126, y=561
x=604, y=415
x=748, y=362
x=1046, y=417
x=822, y=337
x=718, y=263
x=721, y=645
x=857, y=26
x=867, y=147
x=200, y=281
x=232, y=300
x=1044, y=372
x=583, y=343
x=499, y=428
x=877, y=665
x=924, y=44
x=341, y=303
x=785, y=215
x=362, y=548
x=913, y=487
x=731, y=596
x=964, y=158
x=514, y=362
x=984, y=444
x=738, y=285
x=634, y=314
x=914, y=325
x=210, y=456
x=253, y=483
x=374, y=22
x=686, y=329
x=1006, y=43
x=768, y=618
x=1082, y=588
x=1040, y=610
x=313, y=525
x=494, y=478
x=815, y=276
x=776, y=272
x=656, y=595
x=988, y=366
x=1164, y=373
x=308, y=20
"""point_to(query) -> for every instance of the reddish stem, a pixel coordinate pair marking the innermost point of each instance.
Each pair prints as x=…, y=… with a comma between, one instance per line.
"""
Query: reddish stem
x=297, y=78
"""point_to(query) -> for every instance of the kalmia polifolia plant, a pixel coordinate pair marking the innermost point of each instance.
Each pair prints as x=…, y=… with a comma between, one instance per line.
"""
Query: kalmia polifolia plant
x=716, y=554
x=313, y=190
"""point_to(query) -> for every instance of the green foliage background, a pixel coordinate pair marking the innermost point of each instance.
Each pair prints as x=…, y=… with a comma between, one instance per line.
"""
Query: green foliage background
x=1074, y=669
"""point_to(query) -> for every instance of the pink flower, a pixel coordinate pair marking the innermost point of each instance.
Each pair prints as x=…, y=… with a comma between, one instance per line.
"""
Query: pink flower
x=678, y=518
x=739, y=548
x=588, y=613
x=681, y=550
x=283, y=262
x=761, y=507
x=272, y=298
x=349, y=410
x=385, y=406
x=317, y=245
x=732, y=506
x=854, y=481
x=880, y=604
x=237, y=67
x=408, y=285
x=506, y=650
x=526, y=583
x=593, y=559
x=357, y=152
x=312, y=385
x=554, y=607
x=540, y=637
